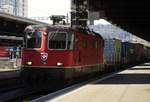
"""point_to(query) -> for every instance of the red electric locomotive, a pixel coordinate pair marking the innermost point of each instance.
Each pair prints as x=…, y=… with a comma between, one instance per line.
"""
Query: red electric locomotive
x=60, y=53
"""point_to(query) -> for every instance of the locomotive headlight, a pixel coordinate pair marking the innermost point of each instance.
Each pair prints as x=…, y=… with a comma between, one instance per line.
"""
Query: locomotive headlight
x=60, y=64
x=29, y=63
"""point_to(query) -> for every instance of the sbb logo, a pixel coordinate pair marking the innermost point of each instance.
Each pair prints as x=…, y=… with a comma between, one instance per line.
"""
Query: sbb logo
x=44, y=56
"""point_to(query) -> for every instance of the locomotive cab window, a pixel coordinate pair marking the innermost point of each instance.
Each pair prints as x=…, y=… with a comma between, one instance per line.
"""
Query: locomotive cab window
x=33, y=39
x=60, y=40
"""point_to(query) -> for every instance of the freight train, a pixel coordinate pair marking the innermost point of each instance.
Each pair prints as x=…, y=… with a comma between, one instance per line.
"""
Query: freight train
x=63, y=53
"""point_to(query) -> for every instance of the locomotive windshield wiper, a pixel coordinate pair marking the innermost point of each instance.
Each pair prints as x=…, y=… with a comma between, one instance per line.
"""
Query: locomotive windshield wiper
x=53, y=34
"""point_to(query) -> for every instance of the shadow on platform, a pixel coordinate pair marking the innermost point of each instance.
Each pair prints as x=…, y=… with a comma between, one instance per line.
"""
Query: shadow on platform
x=148, y=64
x=138, y=68
x=130, y=78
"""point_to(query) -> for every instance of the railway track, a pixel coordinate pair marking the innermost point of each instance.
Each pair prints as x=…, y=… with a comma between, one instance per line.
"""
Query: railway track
x=21, y=94
x=8, y=84
x=13, y=90
x=9, y=80
x=15, y=94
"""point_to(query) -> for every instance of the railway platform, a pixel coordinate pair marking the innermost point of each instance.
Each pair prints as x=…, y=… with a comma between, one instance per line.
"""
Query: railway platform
x=130, y=85
x=9, y=64
x=9, y=69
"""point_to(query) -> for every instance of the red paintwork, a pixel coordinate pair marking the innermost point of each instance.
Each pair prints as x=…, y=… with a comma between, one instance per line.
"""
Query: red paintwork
x=88, y=55
x=77, y=57
x=53, y=57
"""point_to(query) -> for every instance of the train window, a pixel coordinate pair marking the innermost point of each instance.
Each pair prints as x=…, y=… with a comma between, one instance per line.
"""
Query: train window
x=57, y=40
x=61, y=40
x=70, y=42
x=34, y=39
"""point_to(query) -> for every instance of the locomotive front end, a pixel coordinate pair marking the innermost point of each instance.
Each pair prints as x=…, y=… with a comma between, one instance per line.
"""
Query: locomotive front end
x=47, y=54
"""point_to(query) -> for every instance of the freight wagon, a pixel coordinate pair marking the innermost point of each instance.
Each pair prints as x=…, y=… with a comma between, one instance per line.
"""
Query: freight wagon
x=139, y=52
x=112, y=54
x=127, y=53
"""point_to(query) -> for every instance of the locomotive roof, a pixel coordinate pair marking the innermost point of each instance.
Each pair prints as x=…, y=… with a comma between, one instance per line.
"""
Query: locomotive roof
x=61, y=28
x=48, y=27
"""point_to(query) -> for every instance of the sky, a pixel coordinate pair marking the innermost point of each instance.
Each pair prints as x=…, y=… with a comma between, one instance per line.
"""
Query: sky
x=46, y=8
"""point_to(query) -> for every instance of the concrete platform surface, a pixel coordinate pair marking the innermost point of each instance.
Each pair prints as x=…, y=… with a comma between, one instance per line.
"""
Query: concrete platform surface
x=131, y=85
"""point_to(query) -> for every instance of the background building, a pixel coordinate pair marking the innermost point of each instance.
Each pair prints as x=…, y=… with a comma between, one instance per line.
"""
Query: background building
x=16, y=7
